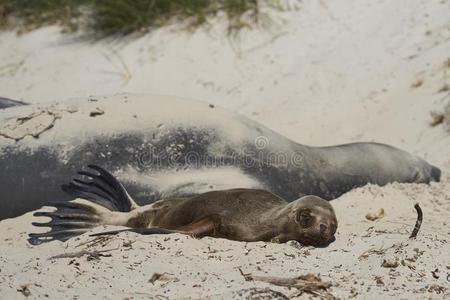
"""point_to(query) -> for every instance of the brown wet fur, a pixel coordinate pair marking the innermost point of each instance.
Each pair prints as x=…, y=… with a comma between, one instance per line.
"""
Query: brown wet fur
x=242, y=215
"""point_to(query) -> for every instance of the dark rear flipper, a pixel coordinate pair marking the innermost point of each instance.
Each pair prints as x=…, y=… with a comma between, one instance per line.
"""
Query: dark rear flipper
x=104, y=193
x=101, y=188
x=68, y=220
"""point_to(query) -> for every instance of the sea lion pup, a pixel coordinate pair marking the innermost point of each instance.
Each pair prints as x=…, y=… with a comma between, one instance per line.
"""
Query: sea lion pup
x=236, y=214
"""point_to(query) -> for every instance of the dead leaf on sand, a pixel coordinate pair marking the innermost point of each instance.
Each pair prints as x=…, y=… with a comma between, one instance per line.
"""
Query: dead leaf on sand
x=163, y=278
x=96, y=112
x=25, y=290
x=308, y=283
x=375, y=216
x=436, y=119
x=390, y=263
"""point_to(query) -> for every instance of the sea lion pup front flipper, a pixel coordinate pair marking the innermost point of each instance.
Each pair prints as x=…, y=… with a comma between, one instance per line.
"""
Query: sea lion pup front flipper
x=197, y=229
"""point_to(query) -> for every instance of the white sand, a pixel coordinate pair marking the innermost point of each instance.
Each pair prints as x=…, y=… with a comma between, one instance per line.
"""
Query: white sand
x=210, y=267
x=334, y=72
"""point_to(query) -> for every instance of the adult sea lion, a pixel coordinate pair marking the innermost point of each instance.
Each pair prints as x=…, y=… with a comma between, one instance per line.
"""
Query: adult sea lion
x=5, y=103
x=238, y=214
x=165, y=147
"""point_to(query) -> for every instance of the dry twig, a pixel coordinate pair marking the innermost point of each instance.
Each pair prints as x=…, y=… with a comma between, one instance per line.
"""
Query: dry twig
x=308, y=283
x=418, y=222
x=78, y=254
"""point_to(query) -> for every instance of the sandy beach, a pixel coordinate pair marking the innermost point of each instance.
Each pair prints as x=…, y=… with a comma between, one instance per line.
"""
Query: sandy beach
x=322, y=73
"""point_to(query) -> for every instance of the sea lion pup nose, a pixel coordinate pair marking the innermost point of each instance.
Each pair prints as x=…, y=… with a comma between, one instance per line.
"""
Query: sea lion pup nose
x=237, y=214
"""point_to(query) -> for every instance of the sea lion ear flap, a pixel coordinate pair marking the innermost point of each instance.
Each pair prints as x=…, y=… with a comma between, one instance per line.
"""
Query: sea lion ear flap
x=102, y=188
x=303, y=217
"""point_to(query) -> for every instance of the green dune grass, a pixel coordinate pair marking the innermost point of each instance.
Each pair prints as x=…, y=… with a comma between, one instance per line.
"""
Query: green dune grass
x=122, y=17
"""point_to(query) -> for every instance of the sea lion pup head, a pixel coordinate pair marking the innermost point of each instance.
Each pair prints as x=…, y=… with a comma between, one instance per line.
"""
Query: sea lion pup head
x=311, y=221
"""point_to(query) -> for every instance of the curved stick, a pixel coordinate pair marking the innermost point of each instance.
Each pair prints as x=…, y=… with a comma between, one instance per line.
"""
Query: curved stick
x=418, y=222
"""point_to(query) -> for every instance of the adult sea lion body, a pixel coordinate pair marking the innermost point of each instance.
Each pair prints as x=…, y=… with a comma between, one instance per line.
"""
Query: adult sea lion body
x=238, y=214
x=162, y=147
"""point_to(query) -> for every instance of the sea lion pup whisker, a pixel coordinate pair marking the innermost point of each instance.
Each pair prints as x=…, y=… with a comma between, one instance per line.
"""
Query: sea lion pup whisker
x=236, y=214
